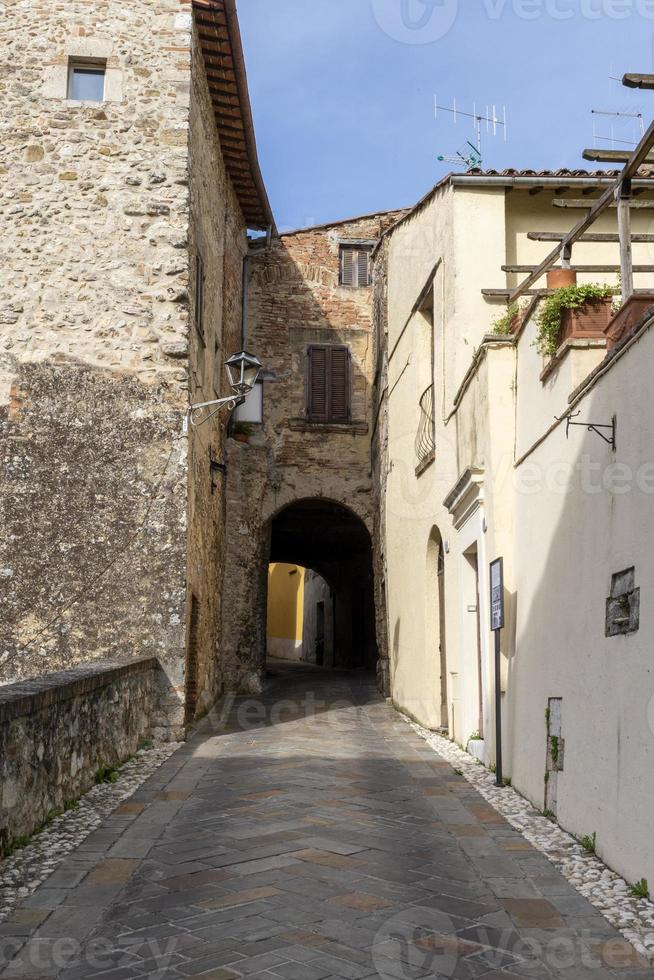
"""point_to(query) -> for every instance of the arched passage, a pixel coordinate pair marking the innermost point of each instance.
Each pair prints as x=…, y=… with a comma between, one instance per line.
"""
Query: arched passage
x=331, y=541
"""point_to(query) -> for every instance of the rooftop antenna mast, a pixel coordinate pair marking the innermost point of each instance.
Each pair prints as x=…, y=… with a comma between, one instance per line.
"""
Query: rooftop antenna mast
x=622, y=115
x=471, y=153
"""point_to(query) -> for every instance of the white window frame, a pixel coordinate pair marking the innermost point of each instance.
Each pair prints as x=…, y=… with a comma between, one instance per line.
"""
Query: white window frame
x=88, y=64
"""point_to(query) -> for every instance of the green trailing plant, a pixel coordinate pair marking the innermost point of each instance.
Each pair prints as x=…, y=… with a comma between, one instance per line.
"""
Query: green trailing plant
x=554, y=748
x=107, y=774
x=244, y=428
x=549, y=815
x=589, y=842
x=501, y=325
x=552, y=310
x=475, y=737
x=640, y=889
x=548, y=715
x=617, y=299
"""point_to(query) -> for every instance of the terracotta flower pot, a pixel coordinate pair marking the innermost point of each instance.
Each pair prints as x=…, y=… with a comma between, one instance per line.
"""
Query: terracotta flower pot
x=627, y=317
x=558, y=278
x=241, y=437
x=587, y=322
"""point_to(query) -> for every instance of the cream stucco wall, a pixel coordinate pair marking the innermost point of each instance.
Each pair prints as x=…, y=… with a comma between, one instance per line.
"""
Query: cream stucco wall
x=491, y=407
x=504, y=465
x=450, y=237
x=588, y=515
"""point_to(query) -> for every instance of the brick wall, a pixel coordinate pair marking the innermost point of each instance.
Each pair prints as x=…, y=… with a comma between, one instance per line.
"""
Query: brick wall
x=295, y=300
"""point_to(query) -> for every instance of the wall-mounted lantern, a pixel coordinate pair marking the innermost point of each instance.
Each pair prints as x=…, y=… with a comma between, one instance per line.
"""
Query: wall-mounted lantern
x=243, y=369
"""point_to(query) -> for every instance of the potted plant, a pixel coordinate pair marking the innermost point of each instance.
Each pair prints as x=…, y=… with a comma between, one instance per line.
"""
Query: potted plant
x=509, y=323
x=242, y=431
x=579, y=311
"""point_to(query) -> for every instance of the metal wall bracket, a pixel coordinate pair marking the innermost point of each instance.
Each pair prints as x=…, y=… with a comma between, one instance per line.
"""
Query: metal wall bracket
x=195, y=414
x=592, y=427
x=215, y=466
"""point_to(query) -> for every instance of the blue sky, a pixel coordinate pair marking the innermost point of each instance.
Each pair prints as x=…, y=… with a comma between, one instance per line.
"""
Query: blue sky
x=343, y=90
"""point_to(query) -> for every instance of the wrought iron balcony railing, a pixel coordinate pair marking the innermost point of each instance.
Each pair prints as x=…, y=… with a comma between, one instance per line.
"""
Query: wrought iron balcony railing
x=425, y=437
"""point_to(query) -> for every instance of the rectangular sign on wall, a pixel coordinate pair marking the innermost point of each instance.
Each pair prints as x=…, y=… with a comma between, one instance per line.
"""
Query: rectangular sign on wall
x=497, y=594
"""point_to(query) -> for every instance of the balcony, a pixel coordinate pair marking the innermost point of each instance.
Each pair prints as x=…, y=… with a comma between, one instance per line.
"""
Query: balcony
x=425, y=436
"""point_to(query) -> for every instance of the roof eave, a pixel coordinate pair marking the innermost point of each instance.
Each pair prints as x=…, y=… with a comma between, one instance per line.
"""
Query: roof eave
x=223, y=14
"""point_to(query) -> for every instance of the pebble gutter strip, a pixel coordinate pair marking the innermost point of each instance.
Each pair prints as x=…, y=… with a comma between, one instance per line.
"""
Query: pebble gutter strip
x=607, y=891
x=22, y=872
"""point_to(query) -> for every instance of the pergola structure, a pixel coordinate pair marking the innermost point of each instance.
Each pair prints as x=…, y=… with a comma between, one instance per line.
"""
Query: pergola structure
x=620, y=195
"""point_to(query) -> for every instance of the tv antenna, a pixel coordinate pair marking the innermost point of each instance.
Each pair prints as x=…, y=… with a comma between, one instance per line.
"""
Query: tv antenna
x=637, y=122
x=471, y=153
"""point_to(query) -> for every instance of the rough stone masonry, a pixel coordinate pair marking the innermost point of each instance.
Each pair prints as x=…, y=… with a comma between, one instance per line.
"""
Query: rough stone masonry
x=98, y=203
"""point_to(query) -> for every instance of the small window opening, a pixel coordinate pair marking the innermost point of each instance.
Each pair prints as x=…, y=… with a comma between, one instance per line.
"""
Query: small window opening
x=86, y=80
x=355, y=265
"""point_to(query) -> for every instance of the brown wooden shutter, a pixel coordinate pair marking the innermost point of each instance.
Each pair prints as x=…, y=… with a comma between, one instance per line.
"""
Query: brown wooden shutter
x=340, y=384
x=329, y=384
x=363, y=261
x=348, y=267
x=318, y=383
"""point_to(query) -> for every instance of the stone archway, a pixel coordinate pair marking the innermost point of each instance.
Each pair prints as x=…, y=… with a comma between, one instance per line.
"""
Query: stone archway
x=330, y=539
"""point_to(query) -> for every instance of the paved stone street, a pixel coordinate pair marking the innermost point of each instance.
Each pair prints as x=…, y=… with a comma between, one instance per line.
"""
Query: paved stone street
x=311, y=834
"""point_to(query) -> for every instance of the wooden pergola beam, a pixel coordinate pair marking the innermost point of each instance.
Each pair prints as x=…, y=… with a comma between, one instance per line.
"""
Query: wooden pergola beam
x=630, y=170
x=612, y=156
x=607, y=269
x=506, y=293
x=637, y=80
x=597, y=237
x=574, y=202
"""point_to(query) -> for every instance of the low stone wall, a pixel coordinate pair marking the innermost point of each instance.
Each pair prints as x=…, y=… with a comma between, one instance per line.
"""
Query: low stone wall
x=57, y=730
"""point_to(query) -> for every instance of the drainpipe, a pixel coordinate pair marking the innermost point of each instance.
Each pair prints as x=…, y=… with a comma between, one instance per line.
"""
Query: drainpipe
x=245, y=304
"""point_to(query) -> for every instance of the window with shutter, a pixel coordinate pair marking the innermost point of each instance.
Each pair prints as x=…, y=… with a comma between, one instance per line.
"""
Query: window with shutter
x=318, y=370
x=339, y=401
x=329, y=384
x=355, y=265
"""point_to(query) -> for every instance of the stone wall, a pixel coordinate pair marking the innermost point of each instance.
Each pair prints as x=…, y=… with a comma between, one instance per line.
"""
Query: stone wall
x=94, y=314
x=379, y=454
x=295, y=300
x=218, y=235
x=107, y=206
x=55, y=732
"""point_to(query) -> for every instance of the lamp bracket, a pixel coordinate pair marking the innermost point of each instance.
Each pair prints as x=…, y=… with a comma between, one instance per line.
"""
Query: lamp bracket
x=195, y=413
x=591, y=427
